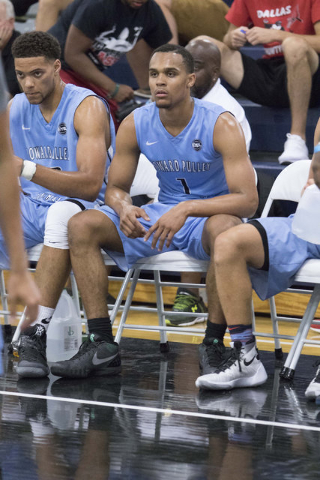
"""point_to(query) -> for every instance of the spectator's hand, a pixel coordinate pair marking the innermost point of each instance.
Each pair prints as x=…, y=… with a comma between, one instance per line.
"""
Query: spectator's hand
x=165, y=227
x=5, y=35
x=258, y=35
x=124, y=93
x=316, y=169
x=239, y=37
x=309, y=182
x=129, y=224
x=22, y=289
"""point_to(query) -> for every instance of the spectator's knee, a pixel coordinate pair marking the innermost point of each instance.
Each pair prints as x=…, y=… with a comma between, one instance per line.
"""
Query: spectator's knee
x=295, y=49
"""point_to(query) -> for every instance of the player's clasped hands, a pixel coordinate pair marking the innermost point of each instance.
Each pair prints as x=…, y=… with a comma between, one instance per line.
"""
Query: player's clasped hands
x=166, y=227
x=129, y=223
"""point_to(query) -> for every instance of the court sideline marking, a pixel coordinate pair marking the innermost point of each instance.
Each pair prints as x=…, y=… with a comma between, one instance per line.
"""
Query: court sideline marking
x=165, y=411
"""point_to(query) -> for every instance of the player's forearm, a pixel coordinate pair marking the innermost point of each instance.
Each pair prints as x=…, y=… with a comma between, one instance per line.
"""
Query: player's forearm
x=117, y=198
x=10, y=222
x=70, y=184
x=82, y=64
x=240, y=205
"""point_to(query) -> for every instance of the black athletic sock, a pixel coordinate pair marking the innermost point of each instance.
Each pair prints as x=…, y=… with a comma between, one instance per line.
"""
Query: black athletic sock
x=215, y=330
x=101, y=326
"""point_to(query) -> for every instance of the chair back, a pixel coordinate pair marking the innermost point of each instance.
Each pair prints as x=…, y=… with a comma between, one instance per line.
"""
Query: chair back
x=289, y=184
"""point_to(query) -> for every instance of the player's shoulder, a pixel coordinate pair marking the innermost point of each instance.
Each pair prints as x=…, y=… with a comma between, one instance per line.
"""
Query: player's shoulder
x=209, y=106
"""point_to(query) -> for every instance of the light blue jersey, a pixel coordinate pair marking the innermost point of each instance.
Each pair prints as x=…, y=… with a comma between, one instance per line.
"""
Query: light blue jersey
x=52, y=144
x=187, y=165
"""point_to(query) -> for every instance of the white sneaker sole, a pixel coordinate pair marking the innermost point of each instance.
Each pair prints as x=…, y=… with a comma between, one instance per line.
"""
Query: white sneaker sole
x=192, y=321
x=209, y=382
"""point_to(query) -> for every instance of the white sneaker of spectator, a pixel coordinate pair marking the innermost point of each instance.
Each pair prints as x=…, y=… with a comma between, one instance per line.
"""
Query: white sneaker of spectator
x=295, y=148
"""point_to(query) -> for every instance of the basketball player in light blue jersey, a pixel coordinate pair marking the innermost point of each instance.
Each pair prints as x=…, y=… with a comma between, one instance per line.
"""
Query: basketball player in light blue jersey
x=21, y=287
x=60, y=136
x=206, y=182
x=263, y=254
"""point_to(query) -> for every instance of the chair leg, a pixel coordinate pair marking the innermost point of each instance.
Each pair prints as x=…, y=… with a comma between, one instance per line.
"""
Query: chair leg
x=288, y=369
x=275, y=327
x=127, y=305
x=4, y=299
x=164, y=345
x=122, y=290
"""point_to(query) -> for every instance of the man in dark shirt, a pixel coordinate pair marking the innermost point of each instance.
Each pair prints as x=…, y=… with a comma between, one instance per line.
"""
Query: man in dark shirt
x=94, y=34
x=7, y=37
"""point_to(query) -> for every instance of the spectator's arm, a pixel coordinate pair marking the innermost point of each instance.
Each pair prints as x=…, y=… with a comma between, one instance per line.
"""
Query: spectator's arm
x=77, y=44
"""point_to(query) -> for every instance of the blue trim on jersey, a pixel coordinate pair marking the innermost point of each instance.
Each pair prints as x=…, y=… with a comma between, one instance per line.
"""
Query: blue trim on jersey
x=187, y=165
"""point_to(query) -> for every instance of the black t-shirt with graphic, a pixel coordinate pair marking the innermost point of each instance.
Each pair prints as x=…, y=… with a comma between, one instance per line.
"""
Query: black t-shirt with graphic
x=113, y=27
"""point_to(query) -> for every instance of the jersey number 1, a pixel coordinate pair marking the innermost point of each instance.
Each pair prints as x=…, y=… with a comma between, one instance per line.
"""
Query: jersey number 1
x=185, y=185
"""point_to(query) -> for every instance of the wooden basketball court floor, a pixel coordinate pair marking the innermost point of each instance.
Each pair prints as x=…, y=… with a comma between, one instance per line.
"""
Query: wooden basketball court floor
x=152, y=423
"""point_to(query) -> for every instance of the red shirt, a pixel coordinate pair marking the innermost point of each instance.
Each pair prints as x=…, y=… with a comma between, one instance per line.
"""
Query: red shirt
x=295, y=16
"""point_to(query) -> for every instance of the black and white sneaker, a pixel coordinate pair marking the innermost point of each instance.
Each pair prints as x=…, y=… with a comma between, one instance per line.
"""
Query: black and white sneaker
x=32, y=353
x=95, y=357
x=212, y=353
x=242, y=369
x=313, y=390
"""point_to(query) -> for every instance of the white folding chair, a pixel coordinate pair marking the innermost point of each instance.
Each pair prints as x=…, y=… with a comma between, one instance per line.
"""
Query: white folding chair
x=164, y=262
x=288, y=186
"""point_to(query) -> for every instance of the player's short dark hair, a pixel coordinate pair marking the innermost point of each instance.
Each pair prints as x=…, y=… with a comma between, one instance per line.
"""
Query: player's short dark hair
x=36, y=44
x=186, y=56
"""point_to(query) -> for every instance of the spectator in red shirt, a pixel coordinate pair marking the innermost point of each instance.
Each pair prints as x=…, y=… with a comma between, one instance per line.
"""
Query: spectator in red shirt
x=288, y=75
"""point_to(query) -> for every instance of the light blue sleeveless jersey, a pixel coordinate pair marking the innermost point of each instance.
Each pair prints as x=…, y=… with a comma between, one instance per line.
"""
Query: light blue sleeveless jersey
x=51, y=144
x=187, y=165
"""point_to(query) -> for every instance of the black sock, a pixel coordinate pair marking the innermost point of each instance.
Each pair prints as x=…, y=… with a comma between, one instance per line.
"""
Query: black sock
x=101, y=326
x=215, y=330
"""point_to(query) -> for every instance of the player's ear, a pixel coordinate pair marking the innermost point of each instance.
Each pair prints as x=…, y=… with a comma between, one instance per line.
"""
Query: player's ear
x=57, y=66
x=191, y=80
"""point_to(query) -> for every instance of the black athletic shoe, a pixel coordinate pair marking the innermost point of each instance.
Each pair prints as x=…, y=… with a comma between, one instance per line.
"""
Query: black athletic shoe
x=32, y=353
x=212, y=353
x=99, y=389
x=95, y=357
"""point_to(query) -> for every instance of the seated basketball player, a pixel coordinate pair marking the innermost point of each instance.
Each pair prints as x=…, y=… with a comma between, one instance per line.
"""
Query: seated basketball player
x=207, y=185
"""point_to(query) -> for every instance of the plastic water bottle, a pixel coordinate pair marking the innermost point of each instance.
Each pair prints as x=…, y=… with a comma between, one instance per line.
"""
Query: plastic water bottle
x=64, y=331
x=306, y=222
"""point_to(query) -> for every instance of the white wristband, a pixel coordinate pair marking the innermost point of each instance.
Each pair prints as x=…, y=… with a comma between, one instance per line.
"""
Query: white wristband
x=28, y=169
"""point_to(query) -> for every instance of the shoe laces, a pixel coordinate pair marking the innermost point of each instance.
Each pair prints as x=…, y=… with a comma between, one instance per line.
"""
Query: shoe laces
x=234, y=357
x=184, y=301
x=215, y=351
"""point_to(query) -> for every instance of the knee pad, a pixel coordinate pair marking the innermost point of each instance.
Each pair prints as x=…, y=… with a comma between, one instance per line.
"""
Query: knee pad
x=56, y=227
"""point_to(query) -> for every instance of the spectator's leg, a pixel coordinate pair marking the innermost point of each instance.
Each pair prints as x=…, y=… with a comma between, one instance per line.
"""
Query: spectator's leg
x=139, y=58
x=302, y=62
x=165, y=6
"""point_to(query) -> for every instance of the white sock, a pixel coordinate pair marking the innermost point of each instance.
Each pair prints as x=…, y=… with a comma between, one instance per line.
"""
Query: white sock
x=44, y=316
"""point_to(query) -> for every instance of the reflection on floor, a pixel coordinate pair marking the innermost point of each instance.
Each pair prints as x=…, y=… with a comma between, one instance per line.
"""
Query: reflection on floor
x=151, y=423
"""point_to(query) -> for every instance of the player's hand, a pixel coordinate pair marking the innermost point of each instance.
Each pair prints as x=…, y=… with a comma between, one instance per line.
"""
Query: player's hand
x=165, y=228
x=129, y=223
x=23, y=290
x=239, y=37
x=124, y=93
x=259, y=35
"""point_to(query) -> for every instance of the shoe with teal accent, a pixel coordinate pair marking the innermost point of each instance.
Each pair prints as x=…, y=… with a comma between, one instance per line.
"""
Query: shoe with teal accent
x=186, y=302
x=95, y=357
